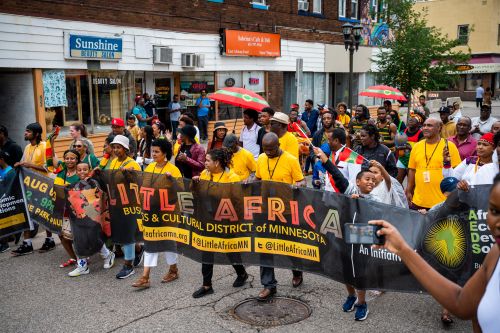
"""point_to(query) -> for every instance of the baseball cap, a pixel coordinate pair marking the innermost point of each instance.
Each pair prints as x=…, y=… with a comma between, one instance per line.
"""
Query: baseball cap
x=294, y=106
x=117, y=122
x=281, y=117
x=323, y=106
x=444, y=109
x=448, y=184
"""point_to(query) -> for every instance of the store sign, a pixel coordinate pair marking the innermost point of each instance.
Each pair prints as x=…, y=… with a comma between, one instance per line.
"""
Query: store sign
x=251, y=44
x=106, y=81
x=462, y=68
x=94, y=47
x=253, y=80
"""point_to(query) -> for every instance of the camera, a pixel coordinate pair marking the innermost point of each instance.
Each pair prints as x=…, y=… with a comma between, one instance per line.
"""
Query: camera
x=362, y=233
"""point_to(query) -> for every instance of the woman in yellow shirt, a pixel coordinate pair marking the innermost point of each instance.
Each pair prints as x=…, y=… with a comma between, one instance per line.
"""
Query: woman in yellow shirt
x=217, y=164
x=161, y=152
x=342, y=116
x=122, y=161
x=242, y=162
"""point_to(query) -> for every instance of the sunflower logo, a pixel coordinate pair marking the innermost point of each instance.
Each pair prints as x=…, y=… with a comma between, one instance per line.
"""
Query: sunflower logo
x=446, y=241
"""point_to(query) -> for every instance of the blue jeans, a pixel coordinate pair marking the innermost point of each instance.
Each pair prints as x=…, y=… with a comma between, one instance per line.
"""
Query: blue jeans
x=128, y=251
x=203, y=127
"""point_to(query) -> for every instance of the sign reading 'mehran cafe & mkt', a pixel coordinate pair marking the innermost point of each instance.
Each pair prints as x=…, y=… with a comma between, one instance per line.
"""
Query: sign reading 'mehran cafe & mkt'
x=93, y=47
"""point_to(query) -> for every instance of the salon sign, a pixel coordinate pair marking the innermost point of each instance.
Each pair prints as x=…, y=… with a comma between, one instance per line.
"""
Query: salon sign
x=93, y=47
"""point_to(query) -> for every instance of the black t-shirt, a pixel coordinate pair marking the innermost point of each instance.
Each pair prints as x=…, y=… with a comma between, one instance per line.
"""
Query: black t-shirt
x=14, y=152
x=260, y=135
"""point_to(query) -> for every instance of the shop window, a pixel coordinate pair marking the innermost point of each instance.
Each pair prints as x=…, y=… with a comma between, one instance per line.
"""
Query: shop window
x=191, y=86
x=313, y=87
x=93, y=98
x=472, y=81
x=463, y=34
x=354, y=9
x=374, y=10
x=342, y=8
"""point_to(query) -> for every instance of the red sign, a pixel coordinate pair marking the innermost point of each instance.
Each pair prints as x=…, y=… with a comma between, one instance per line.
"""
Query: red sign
x=253, y=80
x=252, y=44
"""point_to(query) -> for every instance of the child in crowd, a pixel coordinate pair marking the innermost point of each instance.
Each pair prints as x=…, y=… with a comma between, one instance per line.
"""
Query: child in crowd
x=133, y=128
x=86, y=183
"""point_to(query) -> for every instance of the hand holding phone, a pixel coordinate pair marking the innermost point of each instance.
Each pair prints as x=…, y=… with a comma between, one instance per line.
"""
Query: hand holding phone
x=362, y=233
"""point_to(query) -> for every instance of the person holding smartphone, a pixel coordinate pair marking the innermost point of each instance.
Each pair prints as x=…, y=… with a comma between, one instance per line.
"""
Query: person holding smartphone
x=478, y=300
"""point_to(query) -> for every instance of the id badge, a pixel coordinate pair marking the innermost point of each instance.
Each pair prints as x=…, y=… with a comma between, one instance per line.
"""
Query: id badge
x=427, y=176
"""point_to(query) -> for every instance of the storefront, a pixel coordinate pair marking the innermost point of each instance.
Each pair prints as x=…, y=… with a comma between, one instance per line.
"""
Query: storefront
x=90, y=73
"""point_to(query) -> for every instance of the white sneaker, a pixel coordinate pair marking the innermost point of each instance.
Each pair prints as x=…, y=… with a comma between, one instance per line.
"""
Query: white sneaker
x=79, y=270
x=109, y=260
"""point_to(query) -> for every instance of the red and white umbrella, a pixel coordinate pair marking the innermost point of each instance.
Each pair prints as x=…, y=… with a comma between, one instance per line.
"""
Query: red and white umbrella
x=240, y=97
x=385, y=92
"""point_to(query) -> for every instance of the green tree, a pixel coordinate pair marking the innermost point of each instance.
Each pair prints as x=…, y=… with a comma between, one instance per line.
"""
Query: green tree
x=416, y=56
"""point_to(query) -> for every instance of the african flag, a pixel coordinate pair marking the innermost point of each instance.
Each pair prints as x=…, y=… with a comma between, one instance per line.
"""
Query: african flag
x=349, y=156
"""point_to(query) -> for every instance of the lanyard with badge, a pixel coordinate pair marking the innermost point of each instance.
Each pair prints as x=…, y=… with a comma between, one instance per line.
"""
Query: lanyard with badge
x=271, y=173
x=426, y=174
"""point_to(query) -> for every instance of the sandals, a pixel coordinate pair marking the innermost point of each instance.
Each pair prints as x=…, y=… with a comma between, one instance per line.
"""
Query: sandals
x=70, y=262
x=446, y=319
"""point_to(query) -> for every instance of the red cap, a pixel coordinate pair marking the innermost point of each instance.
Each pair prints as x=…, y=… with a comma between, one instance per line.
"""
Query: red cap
x=137, y=98
x=488, y=137
x=294, y=106
x=117, y=122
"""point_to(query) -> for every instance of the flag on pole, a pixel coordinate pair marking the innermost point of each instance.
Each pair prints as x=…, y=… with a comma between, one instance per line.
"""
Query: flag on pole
x=49, y=152
x=349, y=156
x=296, y=127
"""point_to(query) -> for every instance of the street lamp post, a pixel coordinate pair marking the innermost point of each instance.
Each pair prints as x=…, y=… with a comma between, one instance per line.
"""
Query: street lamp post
x=352, y=37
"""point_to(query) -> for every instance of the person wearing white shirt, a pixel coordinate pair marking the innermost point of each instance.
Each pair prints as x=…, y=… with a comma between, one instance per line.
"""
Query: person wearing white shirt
x=175, y=114
x=250, y=132
x=482, y=124
x=457, y=112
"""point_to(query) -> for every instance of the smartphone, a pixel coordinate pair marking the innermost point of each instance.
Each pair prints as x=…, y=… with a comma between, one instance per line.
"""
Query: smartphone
x=362, y=233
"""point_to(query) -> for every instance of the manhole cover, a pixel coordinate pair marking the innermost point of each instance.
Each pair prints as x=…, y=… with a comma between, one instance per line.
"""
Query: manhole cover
x=275, y=312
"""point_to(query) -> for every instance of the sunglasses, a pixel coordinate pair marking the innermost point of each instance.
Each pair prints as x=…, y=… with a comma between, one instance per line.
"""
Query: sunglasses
x=78, y=146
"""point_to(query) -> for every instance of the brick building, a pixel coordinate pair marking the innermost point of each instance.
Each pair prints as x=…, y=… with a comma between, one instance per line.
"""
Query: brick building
x=85, y=61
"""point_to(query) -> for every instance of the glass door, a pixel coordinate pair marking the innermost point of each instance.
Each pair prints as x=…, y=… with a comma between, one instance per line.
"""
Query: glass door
x=162, y=97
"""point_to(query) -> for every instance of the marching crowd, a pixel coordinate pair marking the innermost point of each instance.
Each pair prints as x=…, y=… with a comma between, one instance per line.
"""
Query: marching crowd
x=412, y=164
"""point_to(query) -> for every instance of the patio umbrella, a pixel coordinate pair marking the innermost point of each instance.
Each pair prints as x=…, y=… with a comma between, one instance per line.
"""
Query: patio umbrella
x=240, y=97
x=384, y=92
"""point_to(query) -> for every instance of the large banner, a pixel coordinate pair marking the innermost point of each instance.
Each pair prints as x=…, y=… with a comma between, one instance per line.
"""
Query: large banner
x=13, y=216
x=274, y=224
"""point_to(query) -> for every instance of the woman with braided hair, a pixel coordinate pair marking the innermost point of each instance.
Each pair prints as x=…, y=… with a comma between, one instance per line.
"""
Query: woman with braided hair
x=217, y=170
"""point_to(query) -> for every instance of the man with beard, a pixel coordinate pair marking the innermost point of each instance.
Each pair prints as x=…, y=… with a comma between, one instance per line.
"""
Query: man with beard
x=321, y=136
x=356, y=125
x=118, y=128
x=34, y=158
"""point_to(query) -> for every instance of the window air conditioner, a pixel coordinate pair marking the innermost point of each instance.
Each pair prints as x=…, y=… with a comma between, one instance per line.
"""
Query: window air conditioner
x=188, y=60
x=162, y=55
x=304, y=5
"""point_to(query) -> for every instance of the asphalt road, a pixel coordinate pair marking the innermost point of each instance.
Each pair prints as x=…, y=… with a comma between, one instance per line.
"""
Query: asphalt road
x=36, y=295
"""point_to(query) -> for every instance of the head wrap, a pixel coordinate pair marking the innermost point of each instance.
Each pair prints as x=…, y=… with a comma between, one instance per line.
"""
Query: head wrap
x=488, y=137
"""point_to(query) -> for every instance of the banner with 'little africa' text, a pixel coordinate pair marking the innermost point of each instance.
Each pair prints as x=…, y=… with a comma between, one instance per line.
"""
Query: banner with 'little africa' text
x=274, y=224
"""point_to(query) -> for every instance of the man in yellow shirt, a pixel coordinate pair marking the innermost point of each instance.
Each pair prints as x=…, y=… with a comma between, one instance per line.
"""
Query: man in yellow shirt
x=279, y=166
x=242, y=163
x=425, y=168
x=34, y=158
x=288, y=142
x=449, y=128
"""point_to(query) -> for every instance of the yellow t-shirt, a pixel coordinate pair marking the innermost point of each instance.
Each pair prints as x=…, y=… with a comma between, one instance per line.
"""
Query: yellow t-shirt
x=449, y=129
x=427, y=192
x=128, y=164
x=35, y=154
x=289, y=143
x=344, y=119
x=169, y=167
x=243, y=163
x=224, y=177
x=284, y=168
x=134, y=131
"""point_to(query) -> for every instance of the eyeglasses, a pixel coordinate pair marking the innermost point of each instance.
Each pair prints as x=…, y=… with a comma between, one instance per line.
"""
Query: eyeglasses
x=78, y=146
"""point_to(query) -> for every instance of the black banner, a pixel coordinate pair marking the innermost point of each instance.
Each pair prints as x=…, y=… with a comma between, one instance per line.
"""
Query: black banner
x=13, y=216
x=45, y=200
x=274, y=224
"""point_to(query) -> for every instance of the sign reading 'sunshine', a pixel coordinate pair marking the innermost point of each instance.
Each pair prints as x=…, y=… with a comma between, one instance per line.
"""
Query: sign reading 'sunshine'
x=93, y=47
